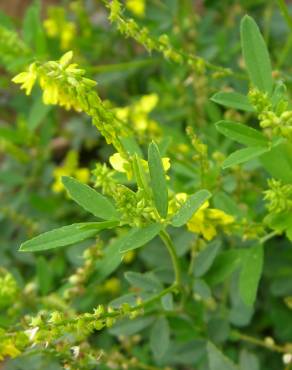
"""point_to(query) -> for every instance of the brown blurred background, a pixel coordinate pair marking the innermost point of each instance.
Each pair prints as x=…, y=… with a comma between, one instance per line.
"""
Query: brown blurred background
x=16, y=8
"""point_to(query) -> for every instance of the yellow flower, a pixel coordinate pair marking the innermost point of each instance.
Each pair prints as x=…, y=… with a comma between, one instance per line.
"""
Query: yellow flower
x=8, y=349
x=27, y=79
x=51, y=27
x=206, y=220
x=66, y=58
x=58, y=172
x=122, y=113
x=67, y=35
x=148, y=102
x=137, y=7
x=70, y=168
x=57, y=26
x=129, y=257
x=112, y=285
x=82, y=174
x=120, y=164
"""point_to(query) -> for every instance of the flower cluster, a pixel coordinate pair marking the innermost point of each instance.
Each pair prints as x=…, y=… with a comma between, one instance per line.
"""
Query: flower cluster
x=130, y=28
x=276, y=120
x=135, y=208
x=104, y=178
x=207, y=220
x=137, y=114
x=64, y=84
x=278, y=196
x=58, y=27
x=8, y=289
x=201, y=150
x=11, y=47
x=83, y=273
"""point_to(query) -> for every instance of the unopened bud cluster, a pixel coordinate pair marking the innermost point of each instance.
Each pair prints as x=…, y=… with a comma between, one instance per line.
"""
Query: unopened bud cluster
x=278, y=196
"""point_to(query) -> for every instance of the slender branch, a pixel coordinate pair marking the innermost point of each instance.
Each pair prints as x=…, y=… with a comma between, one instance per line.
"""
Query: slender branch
x=262, y=343
x=175, y=261
x=268, y=236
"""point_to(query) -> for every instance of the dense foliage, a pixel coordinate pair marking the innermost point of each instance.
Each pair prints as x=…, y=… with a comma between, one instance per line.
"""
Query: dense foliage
x=146, y=186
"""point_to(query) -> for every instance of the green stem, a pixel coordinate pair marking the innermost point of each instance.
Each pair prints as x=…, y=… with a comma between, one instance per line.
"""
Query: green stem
x=284, y=10
x=268, y=236
x=174, y=258
x=262, y=343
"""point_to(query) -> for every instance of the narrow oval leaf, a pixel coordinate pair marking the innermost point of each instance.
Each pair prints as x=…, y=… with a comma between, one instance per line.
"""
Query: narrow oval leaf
x=217, y=360
x=158, y=180
x=256, y=55
x=140, y=175
x=130, y=327
x=243, y=155
x=279, y=169
x=138, y=237
x=63, y=236
x=90, y=199
x=192, y=204
x=241, y=133
x=250, y=274
x=233, y=100
x=145, y=282
x=159, y=337
x=224, y=265
x=205, y=258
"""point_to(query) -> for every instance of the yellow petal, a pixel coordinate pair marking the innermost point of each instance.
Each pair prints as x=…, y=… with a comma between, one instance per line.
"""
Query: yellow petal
x=118, y=162
x=66, y=58
x=166, y=163
x=208, y=231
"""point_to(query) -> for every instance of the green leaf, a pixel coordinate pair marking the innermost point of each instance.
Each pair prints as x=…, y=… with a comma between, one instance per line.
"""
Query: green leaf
x=233, y=100
x=252, y=266
x=63, y=236
x=140, y=175
x=205, y=258
x=279, y=169
x=145, y=282
x=138, y=237
x=256, y=55
x=90, y=199
x=44, y=275
x=37, y=113
x=224, y=265
x=192, y=204
x=167, y=302
x=243, y=155
x=131, y=146
x=241, y=133
x=201, y=288
x=248, y=361
x=130, y=327
x=158, y=180
x=109, y=262
x=33, y=32
x=217, y=360
x=159, y=337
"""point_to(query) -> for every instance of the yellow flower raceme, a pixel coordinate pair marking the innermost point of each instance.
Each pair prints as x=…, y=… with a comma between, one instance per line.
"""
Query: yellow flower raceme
x=206, y=221
x=63, y=83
